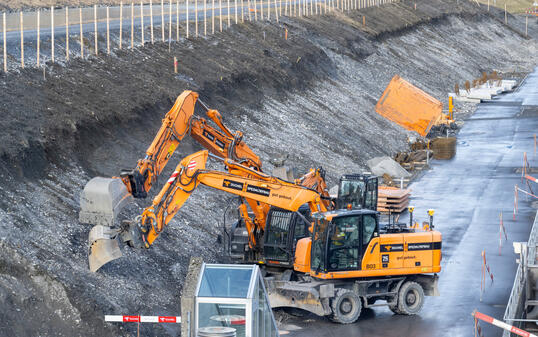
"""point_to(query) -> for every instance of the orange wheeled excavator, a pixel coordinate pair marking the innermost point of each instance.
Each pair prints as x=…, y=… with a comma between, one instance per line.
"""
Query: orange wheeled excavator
x=348, y=260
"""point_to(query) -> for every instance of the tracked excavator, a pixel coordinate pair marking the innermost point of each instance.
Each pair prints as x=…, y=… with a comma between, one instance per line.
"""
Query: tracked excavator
x=347, y=262
x=103, y=198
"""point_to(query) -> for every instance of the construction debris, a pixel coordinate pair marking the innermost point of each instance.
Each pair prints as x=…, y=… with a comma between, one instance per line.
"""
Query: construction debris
x=380, y=166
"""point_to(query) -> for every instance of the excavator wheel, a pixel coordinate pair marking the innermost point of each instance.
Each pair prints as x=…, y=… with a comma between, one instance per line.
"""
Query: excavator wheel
x=410, y=298
x=346, y=307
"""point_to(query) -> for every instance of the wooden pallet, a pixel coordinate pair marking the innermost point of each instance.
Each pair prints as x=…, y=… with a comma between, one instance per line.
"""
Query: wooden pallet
x=392, y=199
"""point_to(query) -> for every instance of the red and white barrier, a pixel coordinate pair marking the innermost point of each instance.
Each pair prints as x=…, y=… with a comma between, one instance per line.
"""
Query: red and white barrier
x=485, y=270
x=142, y=319
x=501, y=324
x=502, y=231
x=528, y=177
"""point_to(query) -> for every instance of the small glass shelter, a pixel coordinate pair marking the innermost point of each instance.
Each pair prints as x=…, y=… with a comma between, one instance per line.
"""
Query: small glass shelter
x=233, y=296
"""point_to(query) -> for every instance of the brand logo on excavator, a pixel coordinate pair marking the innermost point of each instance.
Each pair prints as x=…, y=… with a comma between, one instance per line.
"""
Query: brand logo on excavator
x=232, y=184
x=392, y=248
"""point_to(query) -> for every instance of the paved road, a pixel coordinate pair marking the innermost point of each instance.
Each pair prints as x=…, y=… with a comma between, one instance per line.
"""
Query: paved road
x=468, y=194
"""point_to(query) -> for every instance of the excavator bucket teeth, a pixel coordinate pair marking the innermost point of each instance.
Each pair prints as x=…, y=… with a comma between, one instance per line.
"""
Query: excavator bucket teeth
x=102, y=200
x=103, y=246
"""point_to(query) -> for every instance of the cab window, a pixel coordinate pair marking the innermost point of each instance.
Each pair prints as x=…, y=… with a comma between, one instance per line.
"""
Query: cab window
x=344, y=243
x=369, y=227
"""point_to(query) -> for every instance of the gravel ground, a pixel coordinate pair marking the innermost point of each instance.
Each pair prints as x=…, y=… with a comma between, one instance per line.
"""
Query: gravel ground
x=311, y=96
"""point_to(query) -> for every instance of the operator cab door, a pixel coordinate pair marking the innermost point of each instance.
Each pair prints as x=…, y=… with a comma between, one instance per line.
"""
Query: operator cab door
x=348, y=240
x=282, y=231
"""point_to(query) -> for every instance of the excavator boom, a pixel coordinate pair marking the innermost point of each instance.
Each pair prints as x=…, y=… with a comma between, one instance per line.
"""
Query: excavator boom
x=191, y=172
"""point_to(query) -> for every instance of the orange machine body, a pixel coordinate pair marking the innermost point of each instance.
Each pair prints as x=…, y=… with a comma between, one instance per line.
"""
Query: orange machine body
x=409, y=106
x=413, y=251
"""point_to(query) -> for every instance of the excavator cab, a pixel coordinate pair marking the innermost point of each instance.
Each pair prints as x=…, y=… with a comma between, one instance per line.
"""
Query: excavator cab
x=357, y=191
x=341, y=239
x=282, y=231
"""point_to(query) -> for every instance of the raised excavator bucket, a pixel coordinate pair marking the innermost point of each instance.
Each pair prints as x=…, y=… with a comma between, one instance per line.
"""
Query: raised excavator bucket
x=100, y=203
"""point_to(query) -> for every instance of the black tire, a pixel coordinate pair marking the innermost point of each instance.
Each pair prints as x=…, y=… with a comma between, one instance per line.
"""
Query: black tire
x=394, y=309
x=346, y=307
x=410, y=298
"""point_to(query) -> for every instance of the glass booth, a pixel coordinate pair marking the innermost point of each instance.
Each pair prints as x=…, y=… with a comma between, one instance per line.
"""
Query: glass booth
x=231, y=301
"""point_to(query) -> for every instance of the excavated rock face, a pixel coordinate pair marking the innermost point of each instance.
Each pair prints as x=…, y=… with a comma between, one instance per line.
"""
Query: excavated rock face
x=311, y=96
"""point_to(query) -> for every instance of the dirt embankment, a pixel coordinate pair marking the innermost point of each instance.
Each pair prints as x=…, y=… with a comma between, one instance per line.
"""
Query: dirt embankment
x=311, y=96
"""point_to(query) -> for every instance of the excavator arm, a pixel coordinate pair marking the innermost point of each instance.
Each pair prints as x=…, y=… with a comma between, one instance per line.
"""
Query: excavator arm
x=191, y=172
x=177, y=123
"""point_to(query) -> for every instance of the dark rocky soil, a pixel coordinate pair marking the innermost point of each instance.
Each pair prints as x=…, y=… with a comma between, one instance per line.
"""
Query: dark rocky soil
x=311, y=96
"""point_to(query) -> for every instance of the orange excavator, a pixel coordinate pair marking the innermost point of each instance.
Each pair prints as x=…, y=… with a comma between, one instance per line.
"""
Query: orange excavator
x=347, y=262
x=103, y=198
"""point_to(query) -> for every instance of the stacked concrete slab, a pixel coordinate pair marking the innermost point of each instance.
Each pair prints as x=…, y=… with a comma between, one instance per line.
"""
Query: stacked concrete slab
x=485, y=91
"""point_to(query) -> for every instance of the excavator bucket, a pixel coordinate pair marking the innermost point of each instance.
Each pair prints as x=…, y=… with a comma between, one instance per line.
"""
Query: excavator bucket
x=102, y=200
x=100, y=203
x=103, y=246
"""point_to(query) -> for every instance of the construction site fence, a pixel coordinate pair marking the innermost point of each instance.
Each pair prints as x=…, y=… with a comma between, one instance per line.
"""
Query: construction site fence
x=32, y=38
x=516, y=303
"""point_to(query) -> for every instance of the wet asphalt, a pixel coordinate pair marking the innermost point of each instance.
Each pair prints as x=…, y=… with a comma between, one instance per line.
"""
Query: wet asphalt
x=468, y=194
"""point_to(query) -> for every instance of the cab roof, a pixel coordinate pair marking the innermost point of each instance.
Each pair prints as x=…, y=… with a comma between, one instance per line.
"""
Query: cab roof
x=345, y=212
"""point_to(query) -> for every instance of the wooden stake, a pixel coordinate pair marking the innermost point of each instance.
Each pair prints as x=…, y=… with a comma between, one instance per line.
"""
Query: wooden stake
x=205, y=17
x=132, y=25
x=235, y=13
x=142, y=23
x=177, y=20
x=261, y=9
x=196, y=17
x=38, y=35
x=52, y=33
x=162, y=20
x=5, y=42
x=151, y=21
x=169, y=24
x=81, y=33
x=248, y=10
x=187, y=18
x=95, y=29
x=255, y=2
x=107, y=30
x=505, y=15
x=212, y=16
x=220, y=16
x=242, y=12
x=268, y=10
x=67, y=33
x=280, y=8
x=22, y=40
x=229, y=24
x=286, y=7
x=121, y=22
